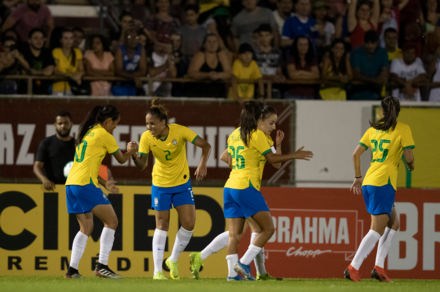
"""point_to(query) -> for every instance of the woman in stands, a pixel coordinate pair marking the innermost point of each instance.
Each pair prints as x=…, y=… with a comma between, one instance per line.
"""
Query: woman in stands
x=362, y=18
x=84, y=197
x=171, y=182
x=388, y=139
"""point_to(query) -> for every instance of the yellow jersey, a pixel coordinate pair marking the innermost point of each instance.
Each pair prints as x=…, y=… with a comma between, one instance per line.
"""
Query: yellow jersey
x=65, y=66
x=89, y=155
x=171, y=167
x=246, y=170
x=245, y=90
x=262, y=158
x=387, y=149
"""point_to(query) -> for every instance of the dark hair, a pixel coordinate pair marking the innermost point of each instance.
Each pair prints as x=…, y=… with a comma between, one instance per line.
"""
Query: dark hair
x=265, y=27
x=267, y=111
x=192, y=7
x=6, y=32
x=34, y=30
x=123, y=14
x=97, y=115
x=249, y=117
x=72, y=49
x=343, y=63
x=391, y=108
x=77, y=29
x=104, y=41
x=203, y=49
x=389, y=30
x=244, y=48
x=310, y=55
x=363, y=2
x=8, y=38
x=371, y=37
x=224, y=30
x=62, y=113
x=158, y=110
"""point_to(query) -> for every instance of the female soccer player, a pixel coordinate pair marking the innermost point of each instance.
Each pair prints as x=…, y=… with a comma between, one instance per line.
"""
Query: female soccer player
x=171, y=182
x=267, y=124
x=388, y=139
x=84, y=197
x=242, y=197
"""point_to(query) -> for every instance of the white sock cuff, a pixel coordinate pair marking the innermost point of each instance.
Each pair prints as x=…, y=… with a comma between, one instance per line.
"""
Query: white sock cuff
x=160, y=232
x=392, y=232
x=375, y=234
x=186, y=232
x=232, y=256
x=107, y=233
x=256, y=248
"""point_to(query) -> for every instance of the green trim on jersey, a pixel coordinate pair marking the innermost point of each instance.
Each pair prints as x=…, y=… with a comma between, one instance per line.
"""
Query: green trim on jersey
x=409, y=147
x=165, y=137
x=267, y=151
x=194, y=140
x=362, y=144
x=141, y=153
x=114, y=152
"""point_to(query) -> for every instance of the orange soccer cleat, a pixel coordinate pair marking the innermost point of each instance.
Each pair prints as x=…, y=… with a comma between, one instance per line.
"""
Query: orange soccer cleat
x=352, y=274
x=378, y=273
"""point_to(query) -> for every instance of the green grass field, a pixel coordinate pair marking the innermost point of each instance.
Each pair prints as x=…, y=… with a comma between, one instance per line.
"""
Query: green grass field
x=59, y=284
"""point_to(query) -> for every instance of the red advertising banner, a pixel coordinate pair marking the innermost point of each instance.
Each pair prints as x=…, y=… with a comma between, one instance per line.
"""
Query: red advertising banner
x=25, y=122
x=317, y=233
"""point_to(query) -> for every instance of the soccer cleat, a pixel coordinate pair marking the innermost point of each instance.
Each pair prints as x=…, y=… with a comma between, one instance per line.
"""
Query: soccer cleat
x=352, y=274
x=378, y=273
x=236, y=278
x=245, y=270
x=103, y=271
x=267, y=277
x=70, y=275
x=174, y=269
x=196, y=262
x=159, y=276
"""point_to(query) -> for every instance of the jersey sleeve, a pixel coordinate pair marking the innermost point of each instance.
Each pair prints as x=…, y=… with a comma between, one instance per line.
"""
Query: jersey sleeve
x=144, y=144
x=365, y=140
x=110, y=144
x=407, y=140
x=42, y=152
x=188, y=135
x=259, y=141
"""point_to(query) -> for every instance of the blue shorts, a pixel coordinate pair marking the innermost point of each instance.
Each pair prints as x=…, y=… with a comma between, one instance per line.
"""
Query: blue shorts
x=162, y=198
x=379, y=200
x=82, y=199
x=243, y=203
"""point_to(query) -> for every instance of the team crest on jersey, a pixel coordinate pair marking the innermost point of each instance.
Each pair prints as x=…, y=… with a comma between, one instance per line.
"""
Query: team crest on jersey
x=174, y=142
x=156, y=202
x=105, y=196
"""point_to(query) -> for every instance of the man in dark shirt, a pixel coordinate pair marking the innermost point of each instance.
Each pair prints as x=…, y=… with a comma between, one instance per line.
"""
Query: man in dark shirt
x=40, y=61
x=55, y=152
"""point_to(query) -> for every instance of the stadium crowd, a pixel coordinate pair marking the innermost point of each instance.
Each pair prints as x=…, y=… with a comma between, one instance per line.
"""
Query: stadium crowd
x=340, y=49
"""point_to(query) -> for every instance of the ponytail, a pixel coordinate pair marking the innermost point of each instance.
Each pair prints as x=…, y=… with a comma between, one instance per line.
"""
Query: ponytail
x=158, y=110
x=391, y=108
x=97, y=115
x=249, y=117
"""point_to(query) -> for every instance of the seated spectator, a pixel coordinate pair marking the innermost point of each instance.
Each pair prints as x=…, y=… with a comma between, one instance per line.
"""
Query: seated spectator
x=269, y=59
x=68, y=63
x=428, y=19
x=361, y=18
x=98, y=61
x=139, y=10
x=407, y=74
x=27, y=16
x=10, y=62
x=130, y=63
x=180, y=63
x=245, y=68
x=370, y=65
x=162, y=23
x=161, y=65
x=341, y=25
x=301, y=66
x=192, y=33
x=434, y=71
x=283, y=12
x=249, y=19
x=336, y=68
x=209, y=64
x=390, y=37
x=299, y=25
x=409, y=14
x=389, y=18
x=117, y=38
x=40, y=60
x=78, y=39
x=221, y=27
x=325, y=28
x=143, y=39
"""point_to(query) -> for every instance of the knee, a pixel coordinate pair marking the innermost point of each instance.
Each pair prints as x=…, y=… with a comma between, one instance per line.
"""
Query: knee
x=269, y=230
x=112, y=224
x=189, y=224
x=87, y=229
x=162, y=224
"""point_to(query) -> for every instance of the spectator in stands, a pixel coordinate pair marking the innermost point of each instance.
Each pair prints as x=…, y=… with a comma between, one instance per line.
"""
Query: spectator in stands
x=117, y=38
x=209, y=64
x=341, y=25
x=192, y=33
x=408, y=15
x=98, y=61
x=221, y=26
x=68, y=63
x=161, y=65
x=130, y=63
x=269, y=59
x=139, y=10
x=246, y=68
x=428, y=19
x=181, y=64
x=27, y=16
x=10, y=62
x=162, y=23
x=249, y=19
x=325, y=28
x=434, y=71
x=78, y=39
x=391, y=37
x=407, y=73
x=299, y=25
x=389, y=17
x=362, y=18
x=283, y=12
x=302, y=65
x=209, y=7
x=143, y=39
x=336, y=68
x=40, y=60
x=370, y=65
